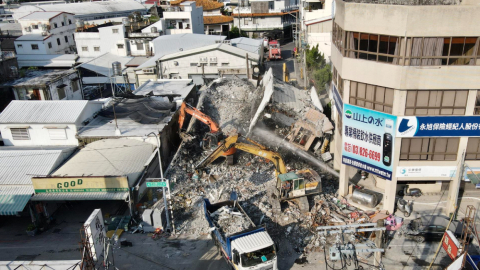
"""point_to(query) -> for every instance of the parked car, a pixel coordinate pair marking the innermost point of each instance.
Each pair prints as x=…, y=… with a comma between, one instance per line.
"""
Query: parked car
x=431, y=228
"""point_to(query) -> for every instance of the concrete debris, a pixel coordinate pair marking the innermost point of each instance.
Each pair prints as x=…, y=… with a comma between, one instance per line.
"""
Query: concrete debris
x=230, y=220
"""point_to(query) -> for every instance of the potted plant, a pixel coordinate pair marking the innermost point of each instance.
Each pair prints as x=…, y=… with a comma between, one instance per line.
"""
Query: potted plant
x=31, y=230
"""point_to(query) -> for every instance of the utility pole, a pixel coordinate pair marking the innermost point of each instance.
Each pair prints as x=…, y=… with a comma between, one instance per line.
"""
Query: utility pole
x=305, y=66
x=248, y=73
x=239, y=28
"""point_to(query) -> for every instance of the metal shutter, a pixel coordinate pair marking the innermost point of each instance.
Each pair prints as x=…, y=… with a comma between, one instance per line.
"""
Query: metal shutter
x=20, y=134
x=57, y=133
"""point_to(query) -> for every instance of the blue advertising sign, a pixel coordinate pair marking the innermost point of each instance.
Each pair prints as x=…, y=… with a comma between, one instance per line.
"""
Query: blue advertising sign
x=338, y=99
x=368, y=140
x=438, y=126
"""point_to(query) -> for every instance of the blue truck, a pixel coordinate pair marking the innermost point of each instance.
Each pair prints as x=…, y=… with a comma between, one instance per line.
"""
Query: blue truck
x=243, y=245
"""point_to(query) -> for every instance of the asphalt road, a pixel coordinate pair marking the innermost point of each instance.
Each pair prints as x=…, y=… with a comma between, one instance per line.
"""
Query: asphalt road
x=287, y=57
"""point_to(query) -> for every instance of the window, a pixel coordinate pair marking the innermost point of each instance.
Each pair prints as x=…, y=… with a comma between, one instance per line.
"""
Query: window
x=57, y=133
x=224, y=64
x=371, y=96
x=425, y=102
x=436, y=51
x=338, y=37
x=96, y=49
x=477, y=104
x=334, y=75
x=19, y=46
x=115, y=31
x=193, y=64
x=50, y=45
x=75, y=87
x=34, y=46
x=66, y=39
x=120, y=46
x=63, y=23
x=473, y=149
x=373, y=47
x=35, y=26
x=429, y=148
x=69, y=21
x=85, y=49
x=58, y=42
x=20, y=134
x=61, y=92
x=213, y=64
x=140, y=46
x=55, y=25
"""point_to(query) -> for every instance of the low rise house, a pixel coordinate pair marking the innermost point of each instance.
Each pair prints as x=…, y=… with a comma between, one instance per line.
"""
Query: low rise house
x=46, y=33
x=47, y=85
x=19, y=164
x=45, y=123
x=169, y=44
x=215, y=23
x=98, y=40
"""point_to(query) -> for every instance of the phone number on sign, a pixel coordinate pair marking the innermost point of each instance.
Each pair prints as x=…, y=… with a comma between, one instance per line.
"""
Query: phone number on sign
x=362, y=151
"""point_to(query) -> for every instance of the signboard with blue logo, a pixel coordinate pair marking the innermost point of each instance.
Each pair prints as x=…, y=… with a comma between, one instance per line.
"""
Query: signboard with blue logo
x=438, y=126
x=368, y=140
x=338, y=99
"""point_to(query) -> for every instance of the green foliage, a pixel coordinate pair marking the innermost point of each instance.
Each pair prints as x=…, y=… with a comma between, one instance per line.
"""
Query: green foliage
x=315, y=58
x=322, y=77
x=32, y=68
x=154, y=19
x=234, y=33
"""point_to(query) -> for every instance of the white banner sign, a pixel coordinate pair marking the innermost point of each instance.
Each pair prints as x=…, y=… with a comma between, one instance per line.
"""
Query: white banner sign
x=426, y=171
x=95, y=231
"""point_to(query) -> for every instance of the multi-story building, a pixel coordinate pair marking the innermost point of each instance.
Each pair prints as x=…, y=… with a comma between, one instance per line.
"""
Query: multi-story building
x=107, y=38
x=185, y=18
x=257, y=17
x=407, y=59
x=214, y=21
x=46, y=33
x=316, y=20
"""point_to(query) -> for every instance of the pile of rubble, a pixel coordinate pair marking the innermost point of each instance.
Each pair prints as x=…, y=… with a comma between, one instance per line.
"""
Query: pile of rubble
x=230, y=220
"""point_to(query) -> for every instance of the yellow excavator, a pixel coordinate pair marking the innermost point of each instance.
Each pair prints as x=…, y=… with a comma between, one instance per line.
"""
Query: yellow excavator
x=290, y=185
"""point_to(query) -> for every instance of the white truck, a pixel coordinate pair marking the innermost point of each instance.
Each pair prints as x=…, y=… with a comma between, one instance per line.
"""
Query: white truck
x=238, y=240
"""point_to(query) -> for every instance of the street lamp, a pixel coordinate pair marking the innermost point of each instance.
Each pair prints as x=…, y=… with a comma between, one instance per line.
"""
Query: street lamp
x=161, y=177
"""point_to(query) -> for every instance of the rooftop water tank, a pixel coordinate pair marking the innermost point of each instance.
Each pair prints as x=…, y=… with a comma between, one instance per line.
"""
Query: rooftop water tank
x=117, y=68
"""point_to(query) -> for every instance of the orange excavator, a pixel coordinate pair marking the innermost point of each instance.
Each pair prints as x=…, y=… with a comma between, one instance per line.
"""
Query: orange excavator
x=212, y=138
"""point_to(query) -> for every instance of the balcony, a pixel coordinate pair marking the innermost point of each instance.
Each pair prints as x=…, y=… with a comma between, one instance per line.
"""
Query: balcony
x=263, y=27
x=248, y=10
x=143, y=35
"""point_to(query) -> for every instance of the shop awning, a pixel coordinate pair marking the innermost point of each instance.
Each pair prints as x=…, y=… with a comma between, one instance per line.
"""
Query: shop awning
x=81, y=196
x=13, y=198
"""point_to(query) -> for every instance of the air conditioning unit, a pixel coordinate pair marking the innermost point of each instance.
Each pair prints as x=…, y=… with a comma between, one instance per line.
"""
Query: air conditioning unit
x=132, y=42
x=149, y=71
x=175, y=63
x=213, y=59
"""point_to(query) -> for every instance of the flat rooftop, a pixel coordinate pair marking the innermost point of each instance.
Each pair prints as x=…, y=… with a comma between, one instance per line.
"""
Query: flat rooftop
x=40, y=77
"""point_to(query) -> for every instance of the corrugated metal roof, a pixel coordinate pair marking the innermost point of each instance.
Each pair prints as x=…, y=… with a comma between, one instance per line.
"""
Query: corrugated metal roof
x=168, y=44
x=103, y=63
x=14, y=198
x=46, y=60
x=173, y=87
x=253, y=242
x=40, y=15
x=43, y=111
x=83, y=8
x=18, y=166
x=32, y=37
x=220, y=46
x=248, y=44
x=80, y=196
x=109, y=157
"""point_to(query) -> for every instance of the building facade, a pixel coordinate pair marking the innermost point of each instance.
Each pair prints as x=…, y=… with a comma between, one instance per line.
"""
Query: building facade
x=396, y=60
x=46, y=33
x=96, y=41
x=186, y=18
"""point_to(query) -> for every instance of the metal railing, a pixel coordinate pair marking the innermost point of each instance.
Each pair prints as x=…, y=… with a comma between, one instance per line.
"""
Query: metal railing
x=246, y=10
x=407, y=2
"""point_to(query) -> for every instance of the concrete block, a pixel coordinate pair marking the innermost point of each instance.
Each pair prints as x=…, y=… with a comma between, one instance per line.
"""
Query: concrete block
x=147, y=216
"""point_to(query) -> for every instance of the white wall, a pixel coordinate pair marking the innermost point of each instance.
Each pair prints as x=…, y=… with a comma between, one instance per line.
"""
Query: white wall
x=59, y=32
x=184, y=68
x=258, y=23
x=160, y=26
x=192, y=15
x=105, y=39
x=39, y=135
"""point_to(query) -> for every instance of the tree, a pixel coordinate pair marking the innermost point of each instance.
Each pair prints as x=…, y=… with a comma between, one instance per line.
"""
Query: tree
x=235, y=33
x=322, y=77
x=315, y=58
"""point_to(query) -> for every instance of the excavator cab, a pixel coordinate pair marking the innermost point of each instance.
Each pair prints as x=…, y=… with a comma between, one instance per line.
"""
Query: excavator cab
x=292, y=185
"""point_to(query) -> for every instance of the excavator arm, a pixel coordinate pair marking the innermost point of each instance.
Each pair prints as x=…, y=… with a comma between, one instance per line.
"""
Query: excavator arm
x=223, y=148
x=262, y=152
x=186, y=108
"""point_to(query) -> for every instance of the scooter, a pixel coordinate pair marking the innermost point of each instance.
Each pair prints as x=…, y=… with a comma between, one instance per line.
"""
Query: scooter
x=415, y=192
x=406, y=207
